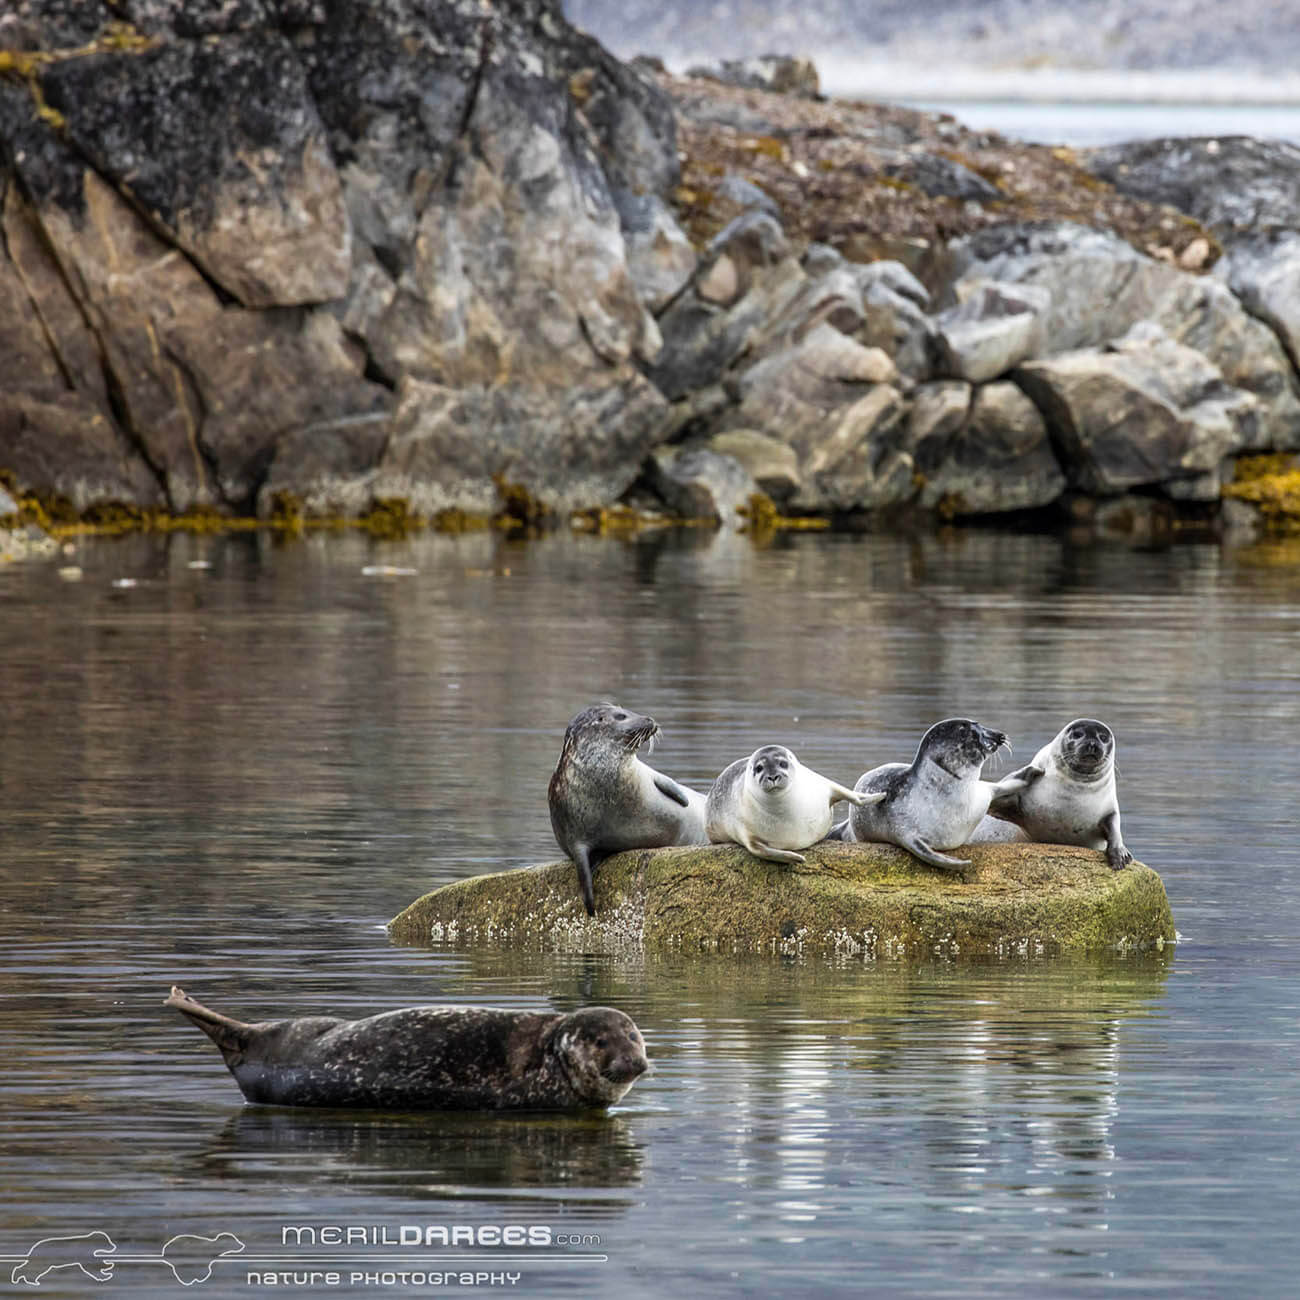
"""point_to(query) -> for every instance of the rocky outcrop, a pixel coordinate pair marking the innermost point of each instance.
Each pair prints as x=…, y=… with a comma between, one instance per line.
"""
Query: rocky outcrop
x=1236, y=185
x=385, y=236
x=864, y=899
x=427, y=255
x=1098, y=288
x=1145, y=410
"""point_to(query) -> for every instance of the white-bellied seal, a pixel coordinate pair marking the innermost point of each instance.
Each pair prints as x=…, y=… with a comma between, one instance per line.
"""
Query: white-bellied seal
x=1067, y=794
x=604, y=799
x=936, y=801
x=431, y=1058
x=773, y=805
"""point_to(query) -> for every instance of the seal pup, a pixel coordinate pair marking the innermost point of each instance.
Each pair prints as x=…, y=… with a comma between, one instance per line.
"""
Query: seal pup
x=773, y=805
x=430, y=1058
x=604, y=799
x=936, y=801
x=1067, y=795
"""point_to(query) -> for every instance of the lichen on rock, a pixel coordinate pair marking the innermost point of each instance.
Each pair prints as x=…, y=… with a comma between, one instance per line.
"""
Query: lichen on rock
x=872, y=899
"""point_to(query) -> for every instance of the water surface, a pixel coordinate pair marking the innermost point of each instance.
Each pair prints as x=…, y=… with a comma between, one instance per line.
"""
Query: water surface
x=230, y=777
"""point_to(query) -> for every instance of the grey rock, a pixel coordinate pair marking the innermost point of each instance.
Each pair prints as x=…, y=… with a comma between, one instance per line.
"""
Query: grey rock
x=696, y=483
x=327, y=469
x=1146, y=411
x=772, y=464
x=994, y=327
x=702, y=340
x=568, y=450
x=1236, y=185
x=745, y=195
x=779, y=73
x=939, y=411
x=223, y=148
x=660, y=258
x=941, y=177
x=824, y=398
x=1099, y=287
x=1264, y=273
x=1001, y=459
x=895, y=304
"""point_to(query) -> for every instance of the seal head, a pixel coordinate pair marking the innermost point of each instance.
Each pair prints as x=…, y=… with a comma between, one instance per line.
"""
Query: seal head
x=772, y=768
x=604, y=799
x=1067, y=794
x=601, y=1053
x=937, y=800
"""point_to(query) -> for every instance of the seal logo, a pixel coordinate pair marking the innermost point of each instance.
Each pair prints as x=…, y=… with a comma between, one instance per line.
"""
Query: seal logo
x=85, y=1251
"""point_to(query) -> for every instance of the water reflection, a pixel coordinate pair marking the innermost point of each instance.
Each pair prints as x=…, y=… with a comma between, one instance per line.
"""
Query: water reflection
x=473, y=1156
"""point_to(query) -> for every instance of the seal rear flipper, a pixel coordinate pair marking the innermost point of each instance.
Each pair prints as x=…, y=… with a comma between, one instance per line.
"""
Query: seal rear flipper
x=918, y=848
x=232, y=1036
x=762, y=849
x=586, y=863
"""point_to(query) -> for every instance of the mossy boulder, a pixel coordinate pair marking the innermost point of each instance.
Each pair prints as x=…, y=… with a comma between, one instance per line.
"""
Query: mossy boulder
x=868, y=898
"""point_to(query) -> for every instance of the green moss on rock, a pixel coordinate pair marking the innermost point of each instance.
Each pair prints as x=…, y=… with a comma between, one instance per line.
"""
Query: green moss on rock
x=855, y=898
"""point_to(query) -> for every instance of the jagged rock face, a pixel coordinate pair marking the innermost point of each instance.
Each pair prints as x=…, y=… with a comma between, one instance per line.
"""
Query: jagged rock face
x=328, y=249
x=1145, y=411
x=1099, y=287
x=1234, y=184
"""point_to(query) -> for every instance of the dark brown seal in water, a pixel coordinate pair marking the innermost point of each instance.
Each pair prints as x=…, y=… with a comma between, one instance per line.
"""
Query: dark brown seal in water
x=431, y=1058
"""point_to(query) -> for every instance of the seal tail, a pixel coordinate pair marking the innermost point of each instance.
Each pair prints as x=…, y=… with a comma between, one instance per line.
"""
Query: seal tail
x=230, y=1035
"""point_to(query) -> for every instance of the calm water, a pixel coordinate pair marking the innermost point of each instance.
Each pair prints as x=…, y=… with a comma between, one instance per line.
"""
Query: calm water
x=230, y=777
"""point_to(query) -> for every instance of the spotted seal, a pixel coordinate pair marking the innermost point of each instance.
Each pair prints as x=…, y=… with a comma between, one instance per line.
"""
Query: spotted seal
x=773, y=805
x=936, y=801
x=430, y=1058
x=604, y=799
x=1067, y=794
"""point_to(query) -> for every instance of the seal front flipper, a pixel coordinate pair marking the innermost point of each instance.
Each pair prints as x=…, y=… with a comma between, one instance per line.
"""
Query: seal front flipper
x=1005, y=801
x=838, y=831
x=1116, y=854
x=671, y=790
x=856, y=798
x=918, y=848
x=1021, y=779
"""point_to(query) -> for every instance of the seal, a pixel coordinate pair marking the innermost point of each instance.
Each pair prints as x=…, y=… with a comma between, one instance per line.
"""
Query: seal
x=936, y=801
x=604, y=799
x=1067, y=794
x=773, y=805
x=430, y=1058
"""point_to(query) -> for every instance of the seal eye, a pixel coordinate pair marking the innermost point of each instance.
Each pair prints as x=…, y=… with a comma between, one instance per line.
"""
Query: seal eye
x=600, y=1042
